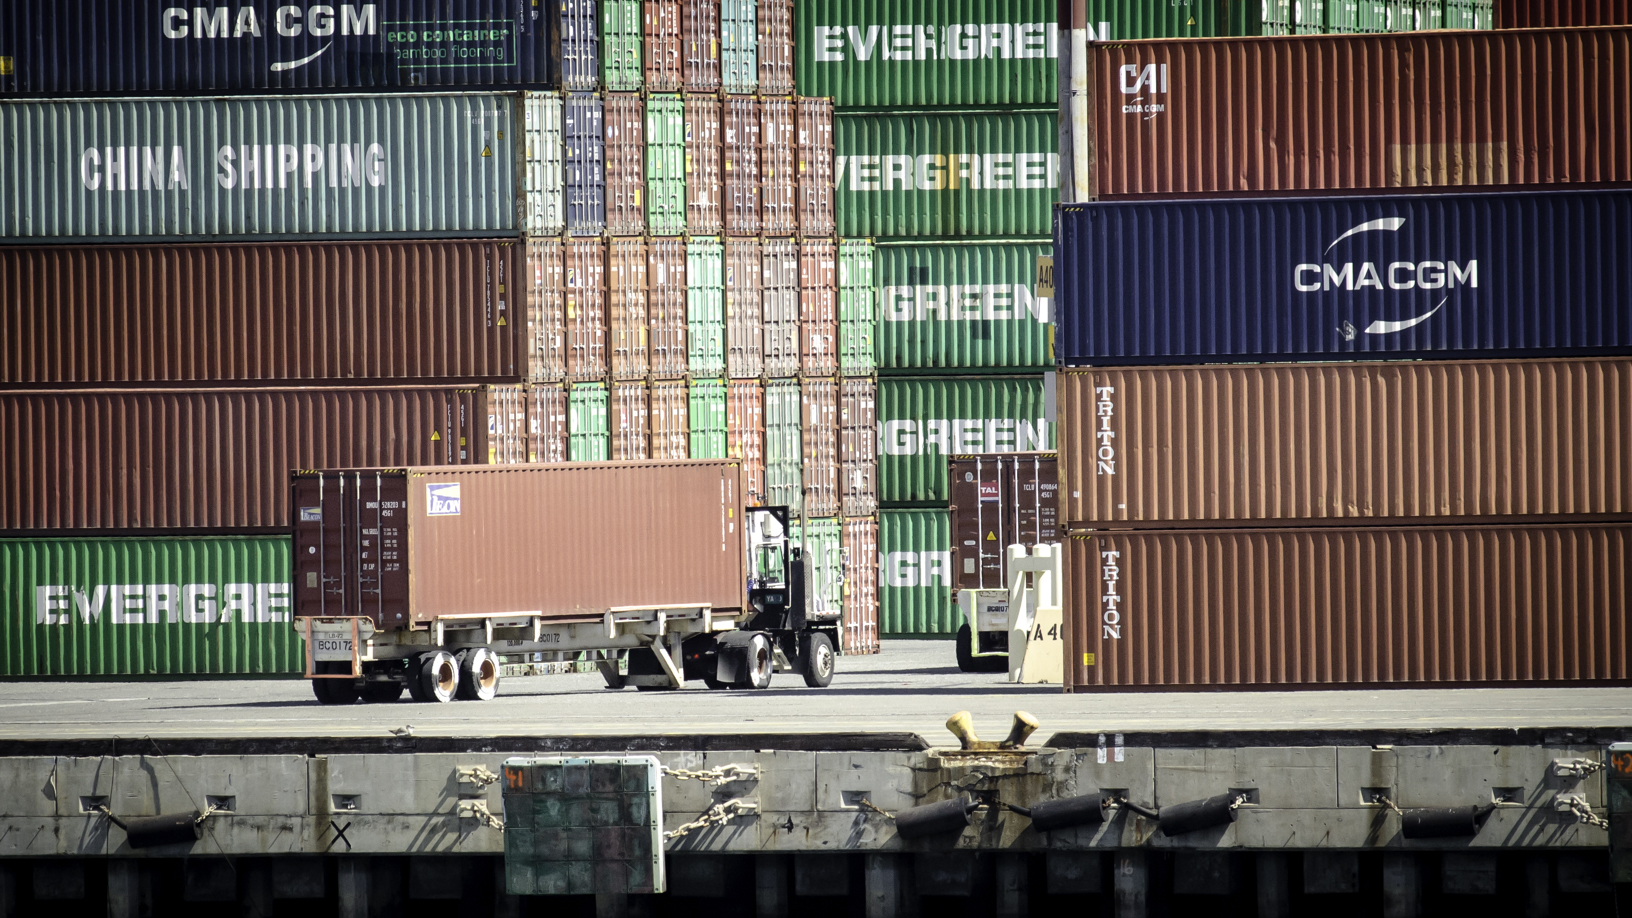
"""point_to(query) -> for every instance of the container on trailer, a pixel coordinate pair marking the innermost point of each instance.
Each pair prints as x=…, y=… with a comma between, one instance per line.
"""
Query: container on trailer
x=260, y=313
x=507, y=437
x=153, y=46
x=776, y=47
x=132, y=170
x=915, y=573
x=998, y=500
x=779, y=186
x=706, y=419
x=547, y=422
x=1545, y=14
x=666, y=306
x=700, y=24
x=859, y=625
x=744, y=322
x=947, y=174
x=820, y=453
x=665, y=61
x=630, y=422
x=739, y=46
x=1307, y=608
x=580, y=46
x=490, y=541
x=705, y=307
x=946, y=306
x=745, y=435
x=150, y=460
x=1452, y=442
x=622, y=69
x=784, y=444
x=818, y=308
x=858, y=313
x=585, y=164
x=779, y=302
x=815, y=166
x=542, y=166
x=858, y=446
x=740, y=157
x=1460, y=275
x=670, y=435
x=625, y=116
x=100, y=607
x=627, y=309
x=704, y=186
x=589, y=432
x=545, y=280
x=665, y=165
x=585, y=308
x=923, y=421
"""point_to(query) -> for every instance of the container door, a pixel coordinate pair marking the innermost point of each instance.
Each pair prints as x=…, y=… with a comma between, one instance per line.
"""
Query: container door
x=705, y=307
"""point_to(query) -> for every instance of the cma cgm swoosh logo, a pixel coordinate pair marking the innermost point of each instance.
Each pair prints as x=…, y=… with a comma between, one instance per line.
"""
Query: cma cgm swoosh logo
x=290, y=65
x=1398, y=275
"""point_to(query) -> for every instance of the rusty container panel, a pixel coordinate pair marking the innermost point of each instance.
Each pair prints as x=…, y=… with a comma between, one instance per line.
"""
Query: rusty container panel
x=162, y=460
x=507, y=436
x=1547, y=14
x=626, y=308
x=776, y=47
x=740, y=156
x=1170, y=447
x=1410, y=112
x=665, y=63
x=704, y=186
x=815, y=167
x=819, y=399
x=745, y=435
x=1284, y=608
x=260, y=313
x=490, y=540
x=998, y=500
x=547, y=423
x=671, y=435
x=700, y=27
x=819, y=308
x=779, y=189
x=585, y=310
x=545, y=279
x=779, y=304
x=625, y=126
x=858, y=446
x=744, y=318
x=666, y=306
x=630, y=421
x=859, y=634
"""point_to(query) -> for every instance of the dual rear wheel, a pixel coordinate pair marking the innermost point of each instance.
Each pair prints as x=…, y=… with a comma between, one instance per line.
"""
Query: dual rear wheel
x=438, y=676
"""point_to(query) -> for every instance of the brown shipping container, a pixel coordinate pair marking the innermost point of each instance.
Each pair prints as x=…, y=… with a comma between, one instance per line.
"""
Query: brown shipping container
x=586, y=309
x=546, y=342
x=701, y=22
x=819, y=308
x=776, y=47
x=626, y=308
x=638, y=534
x=740, y=154
x=1280, y=608
x=211, y=459
x=1410, y=111
x=665, y=64
x=547, y=423
x=745, y=435
x=815, y=167
x=819, y=399
x=625, y=132
x=998, y=500
x=779, y=304
x=860, y=620
x=260, y=313
x=858, y=446
x=631, y=428
x=666, y=306
x=704, y=187
x=779, y=185
x=507, y=437
x=671, y=437
x=745, y=326
x=1170, y=447
x=1541, y=14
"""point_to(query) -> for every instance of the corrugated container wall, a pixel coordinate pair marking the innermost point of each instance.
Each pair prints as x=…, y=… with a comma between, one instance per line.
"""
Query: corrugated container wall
x=665, y=62
x=589, y=429
x=666, y=307
x=211, y=459
x=745, y=435
x=1362, y=112
x=585, y=164
x=1347, y=442
x=741, y=157
x=542, y=166
x=670, y=437
x=924, y=421
x=858, y=446
x=705, y=307
x=506, y=424
x=1348, y=607
x=625, y=164
x=134, y=47
x=665, y=165
x=585, y=295
x=630, y=422
x=314, y=166
x=704, y=186
x=859, y=629
x=1295, y=279
x=858, y=309
x=967, y=305
x=776, y=47
x=779, y=189
x=154, y=315
x=779, y=299
x=622, y=69
x=998, y=500
x=745, y=326
x=739, y=45
x=1541, y=14
x=920, y=53
x=816, y=192
x=580, y=46
x=626, y=285
x=706, y=419
x=147, y=607
x=784, y=475
x=820, y=453
x=818, y=308
x=915, y=573
x=701, y=35
x=990, y=174
x=546, y=343
x=547, y=423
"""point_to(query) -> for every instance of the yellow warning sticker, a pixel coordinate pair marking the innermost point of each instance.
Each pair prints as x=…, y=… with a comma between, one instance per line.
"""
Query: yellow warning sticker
x=487, y=151
x=1087, y=659
x=502, y=322
x=991, y=536
x=436, y=435
x=5, y=65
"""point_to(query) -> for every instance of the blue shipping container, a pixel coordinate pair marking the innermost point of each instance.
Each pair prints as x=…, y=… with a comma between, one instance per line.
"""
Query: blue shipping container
x=56, y=47
x=580, y=46
x=585, y=164
x=1455, y=275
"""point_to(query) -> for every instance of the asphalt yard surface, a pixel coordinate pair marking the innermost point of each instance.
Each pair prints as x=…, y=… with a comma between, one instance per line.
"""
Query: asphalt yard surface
x=913, y=686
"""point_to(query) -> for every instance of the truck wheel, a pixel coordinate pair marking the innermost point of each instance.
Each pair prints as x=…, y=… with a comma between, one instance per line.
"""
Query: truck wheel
x=478, y=674
x=382, y=692
x=758, y=664
x=816, y=659
x=335, y=691
x=438, y=676
x=966, y=656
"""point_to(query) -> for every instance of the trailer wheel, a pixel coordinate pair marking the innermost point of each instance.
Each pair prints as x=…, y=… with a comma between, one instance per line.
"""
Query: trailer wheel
x=382, y=692
x=758, y=663
x=816, y=658
x=478, y=674
x=335, y=691
x=416, y=685
x=438, y=676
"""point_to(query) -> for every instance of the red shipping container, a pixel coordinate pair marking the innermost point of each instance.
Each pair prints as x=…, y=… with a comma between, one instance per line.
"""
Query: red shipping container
x=815, y=167
x=858, y=446
x=778, y=178
x=704, y=186
x=776, y=47
x=626, y=308
x=630, y=422
x=585, y=309
x=740, y=155
x=666, y=306
x=818, y=308
x=547, y=439
x=745, y=435
x=507, y=438
x=671, y=437
x=859, y=626
x=546, y=341
x=819, y=401
x=625, y=132
x=744, y=323
x=665, y=62
x=779, y=307
x=701, y=24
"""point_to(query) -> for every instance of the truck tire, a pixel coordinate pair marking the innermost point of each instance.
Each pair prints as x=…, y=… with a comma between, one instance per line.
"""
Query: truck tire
x=335, y=691
x=438, y=676
x=382, y=692
x=816, y=659
x=478, y=674
x=758, y=663
x=966, y=658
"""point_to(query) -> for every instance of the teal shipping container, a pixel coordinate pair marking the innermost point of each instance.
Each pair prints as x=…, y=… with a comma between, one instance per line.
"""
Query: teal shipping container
x=924, y=421
x=858, y=308
x=139, y=607
x=915, y=573
x=622, y=65
x=707, y=419
x=589, y=436
x=784, y=445
x=950, y=307
x=705, y=307
x=316, y=167
x=665, y=165
x=739, y=45
x=822, y=537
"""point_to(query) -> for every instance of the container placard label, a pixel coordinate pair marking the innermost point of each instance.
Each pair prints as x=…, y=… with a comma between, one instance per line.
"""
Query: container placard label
x=442, y=499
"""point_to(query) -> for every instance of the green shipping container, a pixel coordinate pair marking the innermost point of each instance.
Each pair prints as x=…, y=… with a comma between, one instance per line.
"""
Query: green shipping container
x=943, y=175
x=923, y=421
x=951, y=306
x=822, y=537
x=858, y=308
x=705, y=307
x=665, y=165
x=147, y=607
x=589, y=439
x=1469, y=14
x=739, y=45
x=915, y=573
x=621, y=30
x=784, y=445
x=706, y=407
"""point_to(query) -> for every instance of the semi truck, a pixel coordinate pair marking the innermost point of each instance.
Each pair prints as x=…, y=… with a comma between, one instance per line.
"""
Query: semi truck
x=421, y=580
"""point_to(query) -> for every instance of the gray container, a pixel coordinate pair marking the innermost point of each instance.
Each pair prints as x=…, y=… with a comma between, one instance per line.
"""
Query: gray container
x=585, y=164
x=259, y=167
